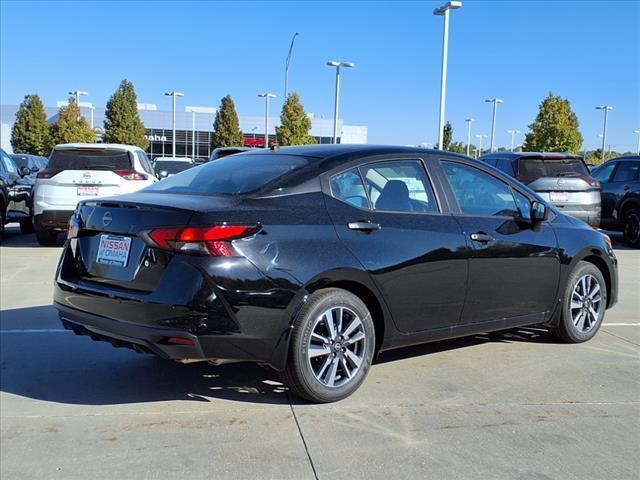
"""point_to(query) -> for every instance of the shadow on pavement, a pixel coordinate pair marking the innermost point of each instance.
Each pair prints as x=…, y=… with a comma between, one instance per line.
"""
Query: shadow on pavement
x=14, y=239
x=58, y=366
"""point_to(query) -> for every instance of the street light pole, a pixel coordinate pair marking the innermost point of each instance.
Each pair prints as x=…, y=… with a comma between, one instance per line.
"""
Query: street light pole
x=495, y=102
x=444, y=12
x=174, y=94
x=266, y=96
x=77, y=94
x=606, y=109
x=513, y=135
x=479, y=150
x=469, y=121
x=286, y=67
x=336, y=64
x=638, y=148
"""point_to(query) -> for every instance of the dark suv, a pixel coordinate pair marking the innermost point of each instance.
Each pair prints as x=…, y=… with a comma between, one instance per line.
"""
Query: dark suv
x=15, y=194
x=620, y=183
x=561, y=178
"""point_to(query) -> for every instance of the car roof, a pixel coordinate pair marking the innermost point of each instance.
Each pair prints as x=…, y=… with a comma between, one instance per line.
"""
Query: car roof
x=628, y=157
x=323, y=152
x=115, y=146
x=532, y=155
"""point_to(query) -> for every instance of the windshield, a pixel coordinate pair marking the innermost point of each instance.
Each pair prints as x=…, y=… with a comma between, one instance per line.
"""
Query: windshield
x=90, y=159
x=230, y=175
x=22, y=161
x=172, y=167
x=534, y=168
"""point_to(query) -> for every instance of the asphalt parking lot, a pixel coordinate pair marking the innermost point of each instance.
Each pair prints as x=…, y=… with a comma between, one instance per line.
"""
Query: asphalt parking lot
x=514, y=405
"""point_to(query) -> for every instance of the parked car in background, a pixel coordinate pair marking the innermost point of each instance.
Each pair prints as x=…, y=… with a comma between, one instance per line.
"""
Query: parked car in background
x=560, y=178
x=34, y=163
x=620, y=183
x=77, y=171
x=167, y=167
x=313, y=259
x=15, y=194
x=226, y=151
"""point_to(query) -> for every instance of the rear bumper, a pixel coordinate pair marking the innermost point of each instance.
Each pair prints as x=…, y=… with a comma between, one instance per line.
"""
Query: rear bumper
x=590, y=214
x=52, y=220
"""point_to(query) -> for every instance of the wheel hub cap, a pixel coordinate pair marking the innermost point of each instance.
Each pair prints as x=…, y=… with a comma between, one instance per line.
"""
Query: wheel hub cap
x=586, y=303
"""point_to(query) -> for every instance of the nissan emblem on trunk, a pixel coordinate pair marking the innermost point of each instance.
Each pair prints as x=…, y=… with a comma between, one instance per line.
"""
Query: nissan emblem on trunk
x=86, y=175
x=106, y=219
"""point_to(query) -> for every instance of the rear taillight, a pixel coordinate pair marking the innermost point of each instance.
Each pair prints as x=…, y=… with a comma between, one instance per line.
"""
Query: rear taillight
x=591, y=181
x=203, y=240
x=130, y=174
x=47, y=173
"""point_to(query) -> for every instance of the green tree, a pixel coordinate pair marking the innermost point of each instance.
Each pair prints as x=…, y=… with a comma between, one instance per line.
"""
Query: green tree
x=71, y=127
x=457, y=147
x=447, y=135
x=122, y=122
x=555, y=129
x=226, y=126
x=31, y=132
x=295, y=123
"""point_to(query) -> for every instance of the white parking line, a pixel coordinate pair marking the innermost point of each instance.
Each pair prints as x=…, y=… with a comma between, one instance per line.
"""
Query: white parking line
x=621, y=324
x=36, y=330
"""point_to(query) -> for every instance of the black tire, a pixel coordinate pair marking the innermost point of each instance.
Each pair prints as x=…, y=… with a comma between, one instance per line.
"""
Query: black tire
x=299, y=373
x=47, y=238
x=26, y=225
x=631, y=228
x=567, y=330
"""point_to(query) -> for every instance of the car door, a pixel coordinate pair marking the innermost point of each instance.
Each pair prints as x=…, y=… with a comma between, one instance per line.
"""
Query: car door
x=624, y=181
x=514, y=266
x=389, y=215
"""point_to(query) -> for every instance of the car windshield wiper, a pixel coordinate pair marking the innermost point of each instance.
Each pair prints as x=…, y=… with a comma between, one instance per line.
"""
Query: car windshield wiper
x=568, y=174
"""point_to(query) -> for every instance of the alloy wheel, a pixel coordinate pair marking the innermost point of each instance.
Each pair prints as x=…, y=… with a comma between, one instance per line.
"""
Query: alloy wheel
x=337, y=346
x=586, y=303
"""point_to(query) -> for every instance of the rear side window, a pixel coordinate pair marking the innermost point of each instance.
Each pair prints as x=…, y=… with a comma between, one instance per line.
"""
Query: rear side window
x=479, y=193
x=144, y=161
x=232, y=175
x=627, y=172
x=534, y=168
x=399, y=186
x=90, y=159
x=506, y=166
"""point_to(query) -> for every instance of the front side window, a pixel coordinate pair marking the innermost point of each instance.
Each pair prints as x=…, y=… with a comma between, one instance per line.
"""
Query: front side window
x=399, y=186
x=348, y=187
x=627, y=172
x=479, y=193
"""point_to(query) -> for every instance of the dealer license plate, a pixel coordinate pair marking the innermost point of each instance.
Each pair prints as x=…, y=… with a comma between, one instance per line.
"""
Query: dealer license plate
x=114, y=250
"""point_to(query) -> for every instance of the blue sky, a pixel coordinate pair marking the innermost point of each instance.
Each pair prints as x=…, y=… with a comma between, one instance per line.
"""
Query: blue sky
x=588, y=52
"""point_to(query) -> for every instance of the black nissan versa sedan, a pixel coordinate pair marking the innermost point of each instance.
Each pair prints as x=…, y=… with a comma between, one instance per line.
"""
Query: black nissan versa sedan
x=314, y=259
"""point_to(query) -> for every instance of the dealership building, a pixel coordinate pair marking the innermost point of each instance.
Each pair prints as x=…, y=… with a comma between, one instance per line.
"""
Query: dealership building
x=194, y=128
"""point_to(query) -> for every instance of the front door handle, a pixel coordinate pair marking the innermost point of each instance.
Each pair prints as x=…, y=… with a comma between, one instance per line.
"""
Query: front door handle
x=481, y=237
x=364, y=226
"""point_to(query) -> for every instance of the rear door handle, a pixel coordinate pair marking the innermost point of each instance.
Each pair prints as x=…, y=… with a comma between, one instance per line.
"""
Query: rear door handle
x=364, y=226
x=481, y=237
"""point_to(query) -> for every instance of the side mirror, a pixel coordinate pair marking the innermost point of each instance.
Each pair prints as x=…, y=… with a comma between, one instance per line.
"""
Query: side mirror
x=34, y=169
x=24, y=171
x=163, y=174
x=538, y=211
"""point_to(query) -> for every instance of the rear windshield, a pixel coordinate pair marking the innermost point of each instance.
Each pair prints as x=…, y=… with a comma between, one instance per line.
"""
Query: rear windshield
x=170, y=166
x=90, y=159
x=231, y=175
x=533, y=168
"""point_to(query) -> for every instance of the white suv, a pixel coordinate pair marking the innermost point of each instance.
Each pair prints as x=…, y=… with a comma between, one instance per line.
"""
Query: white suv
x=78, y=171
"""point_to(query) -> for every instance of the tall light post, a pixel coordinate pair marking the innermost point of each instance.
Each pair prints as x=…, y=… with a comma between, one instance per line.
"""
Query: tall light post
x=266, y=97
x=495, y=102
x=469, y=122
x=479, y=150
x=286, y=67
x=637, y=132
x=174, y=94
x=513, y=134
x=77, y=94
x=336, y=64
x=606, y=109
x=193, y=131
x=443, y=11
